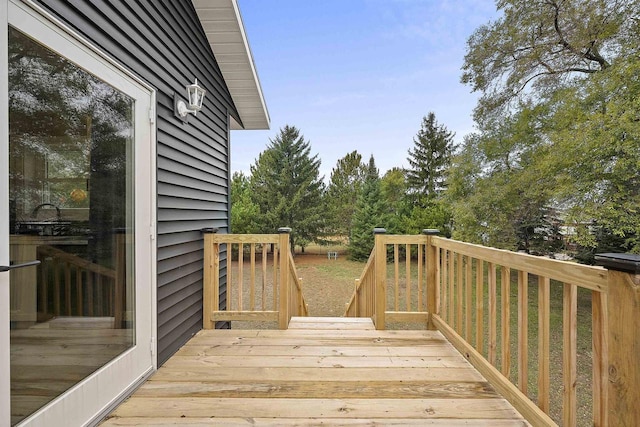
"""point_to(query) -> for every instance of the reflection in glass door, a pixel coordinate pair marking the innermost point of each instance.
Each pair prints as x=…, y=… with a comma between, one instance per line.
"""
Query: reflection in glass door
x=71, y=187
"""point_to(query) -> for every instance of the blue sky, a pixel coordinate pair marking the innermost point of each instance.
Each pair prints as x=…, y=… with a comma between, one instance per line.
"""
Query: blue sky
x=359, y=74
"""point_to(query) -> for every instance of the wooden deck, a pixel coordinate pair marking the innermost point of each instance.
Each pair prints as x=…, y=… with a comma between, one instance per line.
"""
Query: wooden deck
x=49, y=358
x=321, y=371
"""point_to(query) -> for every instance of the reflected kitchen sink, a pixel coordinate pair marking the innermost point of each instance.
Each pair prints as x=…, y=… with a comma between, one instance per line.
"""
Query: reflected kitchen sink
x=44, y=228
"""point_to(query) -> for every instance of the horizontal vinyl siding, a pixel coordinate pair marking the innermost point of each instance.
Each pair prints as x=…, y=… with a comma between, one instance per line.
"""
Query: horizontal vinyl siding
x=161, y=42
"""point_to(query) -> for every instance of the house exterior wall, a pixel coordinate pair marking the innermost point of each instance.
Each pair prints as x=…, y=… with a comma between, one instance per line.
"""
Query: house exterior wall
x=162, y=42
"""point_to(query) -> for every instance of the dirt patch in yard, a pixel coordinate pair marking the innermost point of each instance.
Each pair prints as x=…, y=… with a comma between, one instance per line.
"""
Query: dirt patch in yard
x=328, y=284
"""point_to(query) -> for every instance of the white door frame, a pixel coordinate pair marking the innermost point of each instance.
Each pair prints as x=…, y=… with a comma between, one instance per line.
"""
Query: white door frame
x=100, y=391
x=5, y=364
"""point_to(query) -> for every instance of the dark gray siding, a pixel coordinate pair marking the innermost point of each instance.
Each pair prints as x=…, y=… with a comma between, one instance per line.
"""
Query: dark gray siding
x=161, y=41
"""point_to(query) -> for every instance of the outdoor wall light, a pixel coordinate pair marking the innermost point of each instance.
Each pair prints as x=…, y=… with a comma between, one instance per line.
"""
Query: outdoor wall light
x=195, y=95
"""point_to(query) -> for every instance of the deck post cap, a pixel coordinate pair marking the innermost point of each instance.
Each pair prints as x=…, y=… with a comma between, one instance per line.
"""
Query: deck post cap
x=284, y=230
x=209, y=230
x=629, y=263
x=431, y=231
x=379, y=230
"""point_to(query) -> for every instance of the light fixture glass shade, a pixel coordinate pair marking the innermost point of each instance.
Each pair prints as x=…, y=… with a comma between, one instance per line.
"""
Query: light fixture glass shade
x=195, y=94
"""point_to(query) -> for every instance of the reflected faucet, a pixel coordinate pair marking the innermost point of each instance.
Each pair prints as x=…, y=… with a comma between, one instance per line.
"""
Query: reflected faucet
x=35, y=211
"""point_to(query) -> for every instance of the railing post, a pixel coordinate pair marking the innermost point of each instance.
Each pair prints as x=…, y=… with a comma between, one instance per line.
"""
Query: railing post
x=622, y=353
x=283, y=245
x=380, y=249
x=120, y=284
x=433, y=286
x=211, y=278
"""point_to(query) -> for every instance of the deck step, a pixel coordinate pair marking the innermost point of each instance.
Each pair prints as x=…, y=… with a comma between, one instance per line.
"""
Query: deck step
x=332, y=323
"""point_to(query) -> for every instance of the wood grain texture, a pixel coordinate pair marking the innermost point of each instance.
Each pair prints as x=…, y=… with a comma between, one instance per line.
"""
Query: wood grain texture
x=319, y=372
x=594, y=278
x=52, y=357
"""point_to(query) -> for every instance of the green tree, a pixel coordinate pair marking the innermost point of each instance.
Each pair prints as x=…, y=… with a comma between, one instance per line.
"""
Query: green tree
x=370, y=213
x=244, y=212
x=536, y=46
x=558, y=128
x=393, y=189
x=429, y=160
x=498, y=196
x=595, y=157
x=342, y=194
x=286, y=186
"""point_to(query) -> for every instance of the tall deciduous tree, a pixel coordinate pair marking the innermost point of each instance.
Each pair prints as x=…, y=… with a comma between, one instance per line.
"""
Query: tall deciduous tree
x=537, y=45
x=558, y=126
x=429, y=160
x=344, y=188
x=287, y=187
x=370, y=213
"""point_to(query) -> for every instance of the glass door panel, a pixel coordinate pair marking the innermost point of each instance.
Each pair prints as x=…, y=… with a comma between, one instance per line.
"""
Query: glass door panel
x=71, y=189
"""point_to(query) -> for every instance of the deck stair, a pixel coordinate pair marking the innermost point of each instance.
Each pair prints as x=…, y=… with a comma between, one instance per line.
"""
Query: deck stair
x=320, y=371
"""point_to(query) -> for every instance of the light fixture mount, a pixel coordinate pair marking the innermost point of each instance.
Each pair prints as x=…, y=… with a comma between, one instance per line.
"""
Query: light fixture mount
x=195, y=96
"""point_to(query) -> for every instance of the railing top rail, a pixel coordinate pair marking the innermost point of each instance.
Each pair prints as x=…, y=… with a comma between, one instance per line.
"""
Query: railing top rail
x=244, y=238
x=593, y=278
x=294, y=272
x=369, y=266
x=77, y=261
x=409, y=239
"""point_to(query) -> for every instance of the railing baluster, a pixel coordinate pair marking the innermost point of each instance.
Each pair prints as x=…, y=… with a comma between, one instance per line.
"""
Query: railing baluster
x=421, y=285
x=480, y=306
x=276, y=283
x=493, y=338
x=79, y=307
x=523, y=331
x=67, y=288
x=252, y=280
x=264, y=277
x=240, y=276
x=505, y=298
x=459, y=293
x=452, y=290
x=43, y=291
x=600, y=358
x=407, y=261
x=99, y=295
x=569, y=353
x=396, y=274
x=468, y=298
x=90, y=293
x=56, y=289
x=444, y=288
x=229, y=300
x=544, y=291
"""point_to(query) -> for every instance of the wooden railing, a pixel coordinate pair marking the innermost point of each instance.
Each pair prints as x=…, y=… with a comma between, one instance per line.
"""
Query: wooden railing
x=405, y=300
x=465, y=272
x=465, y=292
x=363, y=301
x=269, y=291
x=70, y=285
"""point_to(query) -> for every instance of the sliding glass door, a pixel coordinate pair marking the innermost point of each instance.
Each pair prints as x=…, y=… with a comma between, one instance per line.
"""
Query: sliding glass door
x=79, y=215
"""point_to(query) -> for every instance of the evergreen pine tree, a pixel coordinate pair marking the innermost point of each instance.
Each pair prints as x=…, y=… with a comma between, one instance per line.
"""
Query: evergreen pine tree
x=344, y=188
x=429, y=161
x=287, y=188
x=369, y=213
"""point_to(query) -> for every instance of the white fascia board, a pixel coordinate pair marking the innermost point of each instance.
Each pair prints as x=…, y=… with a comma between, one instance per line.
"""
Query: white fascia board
x=222, y=24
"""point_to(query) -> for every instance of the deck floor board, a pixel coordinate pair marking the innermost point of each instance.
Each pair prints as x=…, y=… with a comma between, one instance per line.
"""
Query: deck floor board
x=319, y=372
